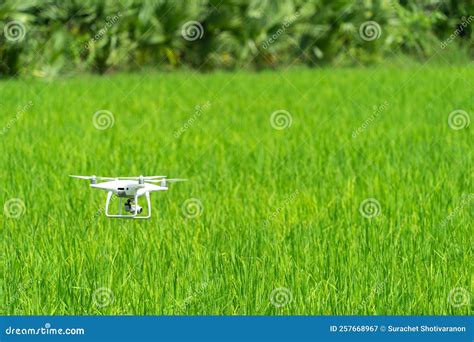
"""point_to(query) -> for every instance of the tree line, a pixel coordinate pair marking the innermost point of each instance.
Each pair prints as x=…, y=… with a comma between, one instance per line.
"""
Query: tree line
x=51, y=37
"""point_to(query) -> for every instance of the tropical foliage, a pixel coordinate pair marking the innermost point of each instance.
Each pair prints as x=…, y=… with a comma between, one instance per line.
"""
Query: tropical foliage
x=53, y=37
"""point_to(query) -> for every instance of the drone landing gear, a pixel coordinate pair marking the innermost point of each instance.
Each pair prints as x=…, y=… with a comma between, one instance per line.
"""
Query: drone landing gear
x=130, y=206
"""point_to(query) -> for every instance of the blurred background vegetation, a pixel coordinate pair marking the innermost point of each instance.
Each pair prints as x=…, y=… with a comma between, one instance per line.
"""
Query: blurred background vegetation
x=56, y=37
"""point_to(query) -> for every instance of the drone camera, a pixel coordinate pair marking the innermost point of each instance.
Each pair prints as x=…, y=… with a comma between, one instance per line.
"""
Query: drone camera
x=129, y=207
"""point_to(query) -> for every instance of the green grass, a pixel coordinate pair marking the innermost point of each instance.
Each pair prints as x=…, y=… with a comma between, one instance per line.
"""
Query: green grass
x=280, y=207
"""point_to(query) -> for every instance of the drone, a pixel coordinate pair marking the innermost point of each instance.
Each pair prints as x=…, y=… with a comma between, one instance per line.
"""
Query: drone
x=130, y=189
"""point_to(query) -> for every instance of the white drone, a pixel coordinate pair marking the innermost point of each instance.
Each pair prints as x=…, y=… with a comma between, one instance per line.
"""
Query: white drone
x=130, y=188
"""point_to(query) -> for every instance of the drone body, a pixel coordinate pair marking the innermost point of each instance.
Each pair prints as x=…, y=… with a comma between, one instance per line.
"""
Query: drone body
x=129, y=188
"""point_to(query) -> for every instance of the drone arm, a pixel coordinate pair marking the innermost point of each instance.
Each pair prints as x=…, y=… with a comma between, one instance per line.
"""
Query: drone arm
x=102, y=187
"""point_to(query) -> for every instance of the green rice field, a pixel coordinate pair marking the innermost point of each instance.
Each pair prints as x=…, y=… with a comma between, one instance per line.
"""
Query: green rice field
x=311, y=192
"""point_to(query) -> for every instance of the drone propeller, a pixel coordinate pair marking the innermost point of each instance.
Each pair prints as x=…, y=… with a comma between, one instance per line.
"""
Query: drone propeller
x=92, y=177
x=81, y=177
x=142, y=177
x=168, y=180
